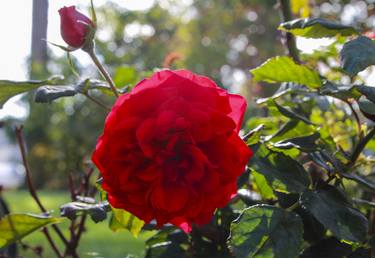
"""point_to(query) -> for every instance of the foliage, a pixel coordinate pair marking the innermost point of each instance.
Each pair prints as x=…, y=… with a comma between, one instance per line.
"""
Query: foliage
x=308, y=190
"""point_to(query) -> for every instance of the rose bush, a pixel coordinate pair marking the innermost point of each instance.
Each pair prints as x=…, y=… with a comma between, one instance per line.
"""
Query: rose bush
x=74, y=26
x=170, y=149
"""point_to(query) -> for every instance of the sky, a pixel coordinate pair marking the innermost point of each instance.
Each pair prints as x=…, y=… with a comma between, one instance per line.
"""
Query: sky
x=15, y=28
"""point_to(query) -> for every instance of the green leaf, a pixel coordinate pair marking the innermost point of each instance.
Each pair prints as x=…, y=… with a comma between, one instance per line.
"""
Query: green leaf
x=332, y=209
x=288, y=112
x=167, y=243
x=286, y=88
x=122, y=219
x=367, y=91
x=282, y=173
x=369, y=184
x=9, y=89
x=97, y=212
x=357, y=54
x=317, y=28
x=303, y=143
x=327, y=247
x=14, y=227
x=284, y=69
x=261, y=185
x=46, y=94
x=266, y=231
x=253, y=137
x=343, y=92
x=367, y=107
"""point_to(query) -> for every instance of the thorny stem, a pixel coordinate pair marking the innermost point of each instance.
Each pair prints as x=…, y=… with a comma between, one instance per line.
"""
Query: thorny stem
x=21, y=143
x=90, y=50
x=290, y=39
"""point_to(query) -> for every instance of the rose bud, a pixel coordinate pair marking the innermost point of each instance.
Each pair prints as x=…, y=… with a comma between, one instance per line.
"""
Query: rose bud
x=170, y=149
x=75, y=27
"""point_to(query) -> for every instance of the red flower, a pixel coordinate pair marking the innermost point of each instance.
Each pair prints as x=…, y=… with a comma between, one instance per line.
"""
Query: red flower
x=170, y=150
x=74, y=26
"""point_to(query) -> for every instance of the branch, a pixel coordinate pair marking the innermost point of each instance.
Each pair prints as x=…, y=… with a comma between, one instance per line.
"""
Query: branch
x=21, y=143
x=286, y=14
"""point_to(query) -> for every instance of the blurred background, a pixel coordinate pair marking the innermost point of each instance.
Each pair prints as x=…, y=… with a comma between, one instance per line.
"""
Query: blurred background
x=221, y=39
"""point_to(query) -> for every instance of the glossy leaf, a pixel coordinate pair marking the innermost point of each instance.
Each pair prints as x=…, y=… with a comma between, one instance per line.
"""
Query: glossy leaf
x=284, y=69
x=122, y=219
x=282, y=173
x=266, y=231
x=9, y=88
x=14, y=227
x=332, y=209
x=357, y=54
x=317, y=28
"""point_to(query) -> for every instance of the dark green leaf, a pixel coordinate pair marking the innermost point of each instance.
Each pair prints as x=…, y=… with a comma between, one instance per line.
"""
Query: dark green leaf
x=343, y=92
x=288, y=112
x=283, y=69
x=46, y=94
x=266, y=231
x=282, y=173
x=367, y=107
x=369, y=184
x=330, y=247
x=97, y=212
x=357, y=54
x=367, y=91
x=122, y=219
x=332, y=209
x=14, y=227
x=303, y=143
x=167, y=243
x=286, y=88
x=316, y=28
x=9, y=89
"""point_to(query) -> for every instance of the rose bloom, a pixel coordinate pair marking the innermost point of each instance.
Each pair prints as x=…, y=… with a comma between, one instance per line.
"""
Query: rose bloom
x=74, y=26
x=170, y=149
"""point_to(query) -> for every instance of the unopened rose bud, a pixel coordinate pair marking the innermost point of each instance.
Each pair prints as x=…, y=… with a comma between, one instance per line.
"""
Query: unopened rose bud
x=75, y=27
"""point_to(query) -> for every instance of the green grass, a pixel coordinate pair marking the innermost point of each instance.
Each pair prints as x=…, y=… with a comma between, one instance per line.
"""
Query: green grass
x=97, y=241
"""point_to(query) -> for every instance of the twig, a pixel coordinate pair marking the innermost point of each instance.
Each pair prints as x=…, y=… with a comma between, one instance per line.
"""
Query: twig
x=290, y=39
x=96, y=101
x=21, y=143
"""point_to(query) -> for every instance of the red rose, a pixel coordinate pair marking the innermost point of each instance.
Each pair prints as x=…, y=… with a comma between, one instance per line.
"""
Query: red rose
x=170, y=150
x=74, y=26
